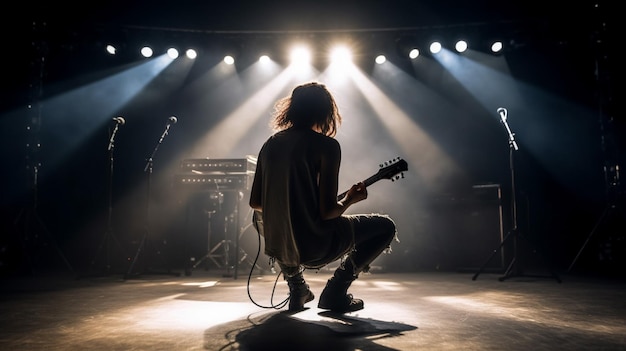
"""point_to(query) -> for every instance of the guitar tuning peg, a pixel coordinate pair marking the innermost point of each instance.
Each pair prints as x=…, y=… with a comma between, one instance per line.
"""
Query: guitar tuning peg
x=402, y=175
x=380, y=165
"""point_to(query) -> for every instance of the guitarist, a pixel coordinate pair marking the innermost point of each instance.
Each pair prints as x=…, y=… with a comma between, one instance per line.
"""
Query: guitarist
x=294, y=195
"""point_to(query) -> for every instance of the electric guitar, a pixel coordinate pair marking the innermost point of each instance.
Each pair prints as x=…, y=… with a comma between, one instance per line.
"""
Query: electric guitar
x=392, y=170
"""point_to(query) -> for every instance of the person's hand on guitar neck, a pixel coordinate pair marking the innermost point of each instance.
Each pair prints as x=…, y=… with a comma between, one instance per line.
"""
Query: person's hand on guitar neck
x=356, y=193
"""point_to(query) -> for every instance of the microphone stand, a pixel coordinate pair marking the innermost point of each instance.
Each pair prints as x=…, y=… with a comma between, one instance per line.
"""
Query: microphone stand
x=148, y=169
x=108, y=235
x=514, y=269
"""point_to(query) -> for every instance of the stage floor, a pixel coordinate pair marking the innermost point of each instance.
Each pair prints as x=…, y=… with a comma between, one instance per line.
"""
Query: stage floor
x=210, y=310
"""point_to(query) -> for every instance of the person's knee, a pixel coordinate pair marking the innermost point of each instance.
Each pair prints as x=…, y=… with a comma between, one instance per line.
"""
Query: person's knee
x=389, y=227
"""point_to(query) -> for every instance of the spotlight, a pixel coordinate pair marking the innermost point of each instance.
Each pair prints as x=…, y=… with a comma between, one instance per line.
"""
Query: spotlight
x=435, y=47
x=111, y=49
x=146, y=51
x=300, y=55
x=406, y=46
x=496, y=47
x=172, y=53
x=340, y=54
x=191, y=53
x=264, y=59
x=461, y=46
x=229, y=60
x=380, y=59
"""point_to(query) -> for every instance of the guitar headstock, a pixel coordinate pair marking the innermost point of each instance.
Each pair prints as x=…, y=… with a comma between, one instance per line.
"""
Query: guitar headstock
x=393, y=169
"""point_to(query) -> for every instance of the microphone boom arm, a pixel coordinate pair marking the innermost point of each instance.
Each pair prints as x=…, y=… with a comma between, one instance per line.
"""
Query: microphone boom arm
x=112, y=140
x=151, y=158
x=503, y=116
x=512, y=141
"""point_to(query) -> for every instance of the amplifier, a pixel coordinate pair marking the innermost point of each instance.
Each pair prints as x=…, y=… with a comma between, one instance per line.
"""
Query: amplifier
x=226, y=165
x=469, y=227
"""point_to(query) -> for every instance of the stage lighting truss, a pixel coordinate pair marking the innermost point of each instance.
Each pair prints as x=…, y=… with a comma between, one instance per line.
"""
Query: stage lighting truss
x=409, y=46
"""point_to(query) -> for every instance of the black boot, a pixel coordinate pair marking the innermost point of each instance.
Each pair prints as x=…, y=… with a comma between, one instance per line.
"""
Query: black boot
x=299, y=292
x=335, y=295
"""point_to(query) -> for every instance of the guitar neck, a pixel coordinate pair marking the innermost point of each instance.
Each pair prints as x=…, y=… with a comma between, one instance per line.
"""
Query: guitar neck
x=369, y=181
x=390, y=171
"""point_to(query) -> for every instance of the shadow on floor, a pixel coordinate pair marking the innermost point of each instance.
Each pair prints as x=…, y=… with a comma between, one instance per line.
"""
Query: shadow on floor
x=285, y=331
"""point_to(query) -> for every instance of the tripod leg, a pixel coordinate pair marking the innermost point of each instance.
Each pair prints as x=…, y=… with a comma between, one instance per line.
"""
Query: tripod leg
x=27, y=260
x=495, y=251
x=43, y=226
x=202, y=259
x=515, y=270
x=26, y=241
x=245, y=258
x=593, y=232
x=108, y=240
x=209, y=251
x=211, y=255
x=103, y=244
x=134, y=261
x=509, y=270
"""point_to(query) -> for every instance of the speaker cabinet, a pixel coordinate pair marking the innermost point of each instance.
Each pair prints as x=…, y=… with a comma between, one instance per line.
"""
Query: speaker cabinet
x=469, y=229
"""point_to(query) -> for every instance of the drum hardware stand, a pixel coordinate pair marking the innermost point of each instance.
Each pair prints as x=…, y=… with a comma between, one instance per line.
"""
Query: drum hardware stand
x=144, y=240
x=225, y=245
x=108, y=234
x=514, y=269
x=210, y=250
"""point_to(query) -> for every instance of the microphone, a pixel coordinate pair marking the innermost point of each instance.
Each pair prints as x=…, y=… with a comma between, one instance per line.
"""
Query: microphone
x=172, y=120
x=119, y=120
x=502, y=111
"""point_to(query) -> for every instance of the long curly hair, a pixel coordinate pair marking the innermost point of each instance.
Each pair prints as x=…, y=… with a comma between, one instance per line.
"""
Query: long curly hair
x=310, y=104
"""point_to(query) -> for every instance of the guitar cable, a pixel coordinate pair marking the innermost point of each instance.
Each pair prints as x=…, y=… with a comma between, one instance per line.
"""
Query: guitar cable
x=277, y=306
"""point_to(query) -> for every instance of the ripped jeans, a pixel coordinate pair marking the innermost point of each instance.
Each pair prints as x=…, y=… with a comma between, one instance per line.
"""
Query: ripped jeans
x=373, y=234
